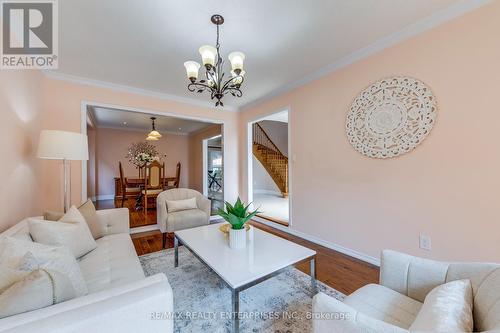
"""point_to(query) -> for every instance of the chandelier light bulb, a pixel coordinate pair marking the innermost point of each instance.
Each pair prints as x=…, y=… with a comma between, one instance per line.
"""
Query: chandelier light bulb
x=237, y=78
x=192, y=68
x=208, y=54
x=236, y=59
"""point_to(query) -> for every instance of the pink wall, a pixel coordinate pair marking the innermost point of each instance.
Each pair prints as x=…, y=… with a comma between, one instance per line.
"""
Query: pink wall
x=63, y=103
x=447, y=188
x=21, y=109
x=113, y=145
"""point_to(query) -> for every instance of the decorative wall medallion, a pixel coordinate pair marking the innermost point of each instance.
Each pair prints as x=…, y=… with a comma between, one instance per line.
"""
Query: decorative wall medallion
x=391, y=117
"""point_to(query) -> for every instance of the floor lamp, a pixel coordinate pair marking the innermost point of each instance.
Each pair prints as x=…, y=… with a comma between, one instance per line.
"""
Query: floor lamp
x=65, y=146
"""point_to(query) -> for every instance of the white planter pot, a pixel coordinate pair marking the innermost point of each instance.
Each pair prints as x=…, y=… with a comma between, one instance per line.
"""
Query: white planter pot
x=237, y=238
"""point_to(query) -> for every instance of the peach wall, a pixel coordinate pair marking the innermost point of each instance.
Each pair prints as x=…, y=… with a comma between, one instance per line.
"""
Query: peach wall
x=447, y=188
x=21, y=109
x=63, y=102
x=196, y=156
x=113, y=145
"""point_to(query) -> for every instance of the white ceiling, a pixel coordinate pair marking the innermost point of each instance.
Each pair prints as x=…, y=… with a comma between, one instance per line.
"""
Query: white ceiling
x=143, y=44
x=128, y=120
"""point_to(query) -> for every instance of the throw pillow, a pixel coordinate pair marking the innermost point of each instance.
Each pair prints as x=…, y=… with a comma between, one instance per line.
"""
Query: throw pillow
x=36, y=290
x=16, y=254
x=89, y=213
x=178, y=205
x=447, y=308
x=9, y=276
x=70, y=231
x=52, y=215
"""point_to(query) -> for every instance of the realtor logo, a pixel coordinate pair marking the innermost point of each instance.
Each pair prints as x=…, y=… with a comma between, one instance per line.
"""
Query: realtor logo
x=29, y=34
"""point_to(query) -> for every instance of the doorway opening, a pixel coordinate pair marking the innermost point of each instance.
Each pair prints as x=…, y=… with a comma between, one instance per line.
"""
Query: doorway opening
x=269, y=168
x=213, y=166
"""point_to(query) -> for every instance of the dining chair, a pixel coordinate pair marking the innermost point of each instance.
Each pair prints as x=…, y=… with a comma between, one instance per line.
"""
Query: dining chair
x=125, y=186
x=176, y=180
x=154, y=182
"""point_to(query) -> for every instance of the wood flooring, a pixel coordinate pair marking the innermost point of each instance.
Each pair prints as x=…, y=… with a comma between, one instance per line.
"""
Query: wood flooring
x=339, y=271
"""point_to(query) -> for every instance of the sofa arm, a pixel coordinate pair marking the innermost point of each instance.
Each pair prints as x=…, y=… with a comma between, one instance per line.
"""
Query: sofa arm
x=141, y=306
x=115, y=221
x=330, y=315
x=205, y=205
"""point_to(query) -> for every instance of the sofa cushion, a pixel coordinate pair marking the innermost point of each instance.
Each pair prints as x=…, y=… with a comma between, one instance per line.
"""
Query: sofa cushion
x=384, y=304
x=179, y=205
x=187, y=219
x=14, y=251
x=447, y=308
x=71, y=231
x=89, y=213
x=38, y=289
x=114, y=262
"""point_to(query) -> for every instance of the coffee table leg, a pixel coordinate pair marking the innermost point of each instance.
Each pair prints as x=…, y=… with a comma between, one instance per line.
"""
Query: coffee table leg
x=235, y=298
x=314, y=286
x=176, y=251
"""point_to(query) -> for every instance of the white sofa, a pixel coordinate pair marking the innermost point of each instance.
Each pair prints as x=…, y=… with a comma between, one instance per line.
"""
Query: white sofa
x=392, y=306
x=120, y=298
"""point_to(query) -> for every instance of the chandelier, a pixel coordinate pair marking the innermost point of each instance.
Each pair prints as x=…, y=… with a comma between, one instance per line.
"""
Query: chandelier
x=154, y=135
x=214, y=81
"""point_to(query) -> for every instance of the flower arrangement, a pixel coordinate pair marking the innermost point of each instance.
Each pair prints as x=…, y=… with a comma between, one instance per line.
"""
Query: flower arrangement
x=141, y=153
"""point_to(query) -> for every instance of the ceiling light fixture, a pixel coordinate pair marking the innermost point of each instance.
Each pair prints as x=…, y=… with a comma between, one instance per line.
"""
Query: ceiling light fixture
x=214, y=81
x=154, y=135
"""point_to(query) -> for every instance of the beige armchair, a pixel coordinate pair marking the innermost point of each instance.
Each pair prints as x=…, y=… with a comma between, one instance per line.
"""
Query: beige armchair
x=170, y=222
x=393, y=305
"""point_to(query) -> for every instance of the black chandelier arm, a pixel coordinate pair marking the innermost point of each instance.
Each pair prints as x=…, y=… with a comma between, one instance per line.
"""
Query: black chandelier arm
x=198, y=86
x=235, y=91
x=231, y=81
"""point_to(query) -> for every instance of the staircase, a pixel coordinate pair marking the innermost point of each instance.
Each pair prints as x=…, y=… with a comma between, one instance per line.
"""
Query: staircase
x=273, y=160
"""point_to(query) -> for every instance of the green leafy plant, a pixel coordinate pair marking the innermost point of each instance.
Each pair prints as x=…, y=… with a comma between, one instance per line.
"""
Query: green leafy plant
x=237, y=215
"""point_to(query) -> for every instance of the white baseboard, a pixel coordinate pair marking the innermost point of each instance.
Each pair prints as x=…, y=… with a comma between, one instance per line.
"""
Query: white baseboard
x=145, y=228
x=322, y=242
x=269, y=192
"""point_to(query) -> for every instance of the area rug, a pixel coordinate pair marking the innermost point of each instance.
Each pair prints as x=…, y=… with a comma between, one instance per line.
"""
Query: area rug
x=202, y=302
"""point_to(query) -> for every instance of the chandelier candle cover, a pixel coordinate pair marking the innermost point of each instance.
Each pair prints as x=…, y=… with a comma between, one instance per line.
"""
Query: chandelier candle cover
x=214, y=81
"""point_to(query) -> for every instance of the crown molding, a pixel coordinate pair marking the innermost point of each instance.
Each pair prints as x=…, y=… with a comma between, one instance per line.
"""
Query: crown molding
x=133, y=90
x=439, y=17
x=138, y=130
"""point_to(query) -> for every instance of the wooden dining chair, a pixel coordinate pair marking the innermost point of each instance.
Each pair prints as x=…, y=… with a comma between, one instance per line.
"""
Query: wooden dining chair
x=125, y=186
x=175, y=182
x=154, y=182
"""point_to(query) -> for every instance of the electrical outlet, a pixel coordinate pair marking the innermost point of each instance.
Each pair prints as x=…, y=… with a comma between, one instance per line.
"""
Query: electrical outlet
x=425, y=242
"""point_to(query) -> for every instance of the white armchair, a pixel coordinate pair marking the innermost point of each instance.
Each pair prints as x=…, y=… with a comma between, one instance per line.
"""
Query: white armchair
x=393, y=305
x=170, y=222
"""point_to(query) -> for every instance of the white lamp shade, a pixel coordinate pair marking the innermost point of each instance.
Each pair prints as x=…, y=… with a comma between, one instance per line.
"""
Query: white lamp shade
x=192, y=68
x=152, y=138
x=208, y=54
x=60, y=145
x=236, y=59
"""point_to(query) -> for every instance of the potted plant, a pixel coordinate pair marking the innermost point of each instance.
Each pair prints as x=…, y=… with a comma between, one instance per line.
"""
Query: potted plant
x=237, y=216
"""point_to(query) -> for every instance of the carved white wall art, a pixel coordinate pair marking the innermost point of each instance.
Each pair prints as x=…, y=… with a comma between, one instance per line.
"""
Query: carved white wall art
x=391, y=117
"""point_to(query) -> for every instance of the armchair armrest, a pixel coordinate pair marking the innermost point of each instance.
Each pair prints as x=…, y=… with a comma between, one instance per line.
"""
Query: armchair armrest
x=140, y=306
x=115, y=220
x=331, y=315
x=204, y=204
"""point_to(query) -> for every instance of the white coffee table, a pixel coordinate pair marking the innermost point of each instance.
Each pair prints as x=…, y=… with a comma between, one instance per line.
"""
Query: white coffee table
x=265, y=256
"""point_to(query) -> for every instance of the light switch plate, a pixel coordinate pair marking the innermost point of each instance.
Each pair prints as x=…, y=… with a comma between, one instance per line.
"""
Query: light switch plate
x=425, y=242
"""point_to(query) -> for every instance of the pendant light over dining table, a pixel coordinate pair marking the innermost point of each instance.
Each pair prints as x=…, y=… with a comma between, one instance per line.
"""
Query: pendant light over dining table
x=154, y=135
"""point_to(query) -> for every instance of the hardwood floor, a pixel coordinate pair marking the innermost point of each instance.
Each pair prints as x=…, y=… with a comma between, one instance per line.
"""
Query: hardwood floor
x=339, y=271
x=137, y=218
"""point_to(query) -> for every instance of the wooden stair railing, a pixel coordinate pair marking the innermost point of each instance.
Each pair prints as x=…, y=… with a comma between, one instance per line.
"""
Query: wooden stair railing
x=273, y=160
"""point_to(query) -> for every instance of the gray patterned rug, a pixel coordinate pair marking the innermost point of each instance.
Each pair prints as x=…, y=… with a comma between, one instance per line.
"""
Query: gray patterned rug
x=202, y=301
